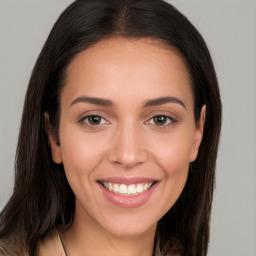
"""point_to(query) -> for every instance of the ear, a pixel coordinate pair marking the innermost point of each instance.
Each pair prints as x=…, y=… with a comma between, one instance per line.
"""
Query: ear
x=53, y=140
x=198, y=135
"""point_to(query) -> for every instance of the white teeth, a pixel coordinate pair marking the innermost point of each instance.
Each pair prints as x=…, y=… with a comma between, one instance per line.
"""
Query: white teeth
x=110, y=187
x=139, y=188
x=130, y=190
x=123, y=189
x=115, y=188
x=145, y=187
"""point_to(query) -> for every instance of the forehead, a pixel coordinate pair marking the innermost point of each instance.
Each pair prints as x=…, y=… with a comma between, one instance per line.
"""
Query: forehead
x=128, y=50
x=118, y=64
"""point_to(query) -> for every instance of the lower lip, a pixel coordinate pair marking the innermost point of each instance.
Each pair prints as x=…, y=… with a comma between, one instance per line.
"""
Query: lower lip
x=128, y=201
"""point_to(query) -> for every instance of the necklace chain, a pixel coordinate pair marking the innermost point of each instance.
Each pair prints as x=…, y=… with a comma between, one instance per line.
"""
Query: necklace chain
x=62, y=243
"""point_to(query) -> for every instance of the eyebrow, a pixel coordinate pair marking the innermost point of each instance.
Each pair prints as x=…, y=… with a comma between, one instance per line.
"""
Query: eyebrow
x=164, y=100
x=92, y=100
x=109, y=103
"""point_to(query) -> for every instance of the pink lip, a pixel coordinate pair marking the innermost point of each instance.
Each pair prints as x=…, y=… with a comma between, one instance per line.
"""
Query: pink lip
x=127, y=180
x=127, y=201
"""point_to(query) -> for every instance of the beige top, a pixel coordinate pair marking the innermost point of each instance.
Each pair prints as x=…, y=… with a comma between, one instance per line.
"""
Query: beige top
x=50, y=246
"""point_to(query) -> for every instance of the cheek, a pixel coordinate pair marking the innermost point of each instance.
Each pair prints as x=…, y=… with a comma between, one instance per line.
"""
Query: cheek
x=173, y=159
x=175, y=164
x=173, y=156
x=80, y=153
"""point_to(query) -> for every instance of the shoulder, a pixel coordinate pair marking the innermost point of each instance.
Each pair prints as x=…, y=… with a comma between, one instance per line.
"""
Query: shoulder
x=51, y=245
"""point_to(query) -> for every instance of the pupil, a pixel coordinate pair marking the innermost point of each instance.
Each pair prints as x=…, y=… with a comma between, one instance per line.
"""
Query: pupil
x=160, y=120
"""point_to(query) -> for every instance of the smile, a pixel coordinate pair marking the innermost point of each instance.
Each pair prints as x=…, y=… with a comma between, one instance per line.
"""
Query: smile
x=127, y=190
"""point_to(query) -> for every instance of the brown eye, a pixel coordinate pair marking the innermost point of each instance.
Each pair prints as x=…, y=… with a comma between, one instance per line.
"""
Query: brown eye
x=161, y=120
x=94, y=120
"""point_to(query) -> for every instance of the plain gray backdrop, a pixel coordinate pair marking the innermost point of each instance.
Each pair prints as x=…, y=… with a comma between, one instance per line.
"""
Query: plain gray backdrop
x=229, y=28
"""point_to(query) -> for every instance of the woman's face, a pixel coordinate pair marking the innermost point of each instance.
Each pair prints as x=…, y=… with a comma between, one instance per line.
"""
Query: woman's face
x=127, y=133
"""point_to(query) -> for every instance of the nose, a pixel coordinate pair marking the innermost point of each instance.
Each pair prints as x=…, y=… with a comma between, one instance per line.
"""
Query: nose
x=128, y=149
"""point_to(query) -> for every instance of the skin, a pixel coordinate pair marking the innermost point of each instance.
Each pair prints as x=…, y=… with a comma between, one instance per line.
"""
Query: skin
x=127, y=141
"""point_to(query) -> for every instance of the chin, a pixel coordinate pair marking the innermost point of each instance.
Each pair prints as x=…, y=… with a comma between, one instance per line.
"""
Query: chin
x=127, y=225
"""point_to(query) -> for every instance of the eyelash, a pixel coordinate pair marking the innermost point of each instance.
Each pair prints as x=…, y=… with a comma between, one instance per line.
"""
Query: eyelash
x=167, y=120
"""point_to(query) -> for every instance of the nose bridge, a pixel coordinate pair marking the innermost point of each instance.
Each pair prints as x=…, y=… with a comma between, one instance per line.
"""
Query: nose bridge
x=128, y=149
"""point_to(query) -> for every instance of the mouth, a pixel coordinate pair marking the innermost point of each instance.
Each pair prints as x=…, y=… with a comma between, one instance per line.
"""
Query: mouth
x=127, y=190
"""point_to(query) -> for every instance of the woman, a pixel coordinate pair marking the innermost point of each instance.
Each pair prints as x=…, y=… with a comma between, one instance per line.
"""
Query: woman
x=119, y=137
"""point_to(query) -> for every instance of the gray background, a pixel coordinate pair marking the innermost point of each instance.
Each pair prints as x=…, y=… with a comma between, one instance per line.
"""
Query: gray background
x=229, y=28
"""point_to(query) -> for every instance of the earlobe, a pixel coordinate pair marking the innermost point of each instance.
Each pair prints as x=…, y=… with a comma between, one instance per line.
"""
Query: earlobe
x=53, y=140
x=198, y=135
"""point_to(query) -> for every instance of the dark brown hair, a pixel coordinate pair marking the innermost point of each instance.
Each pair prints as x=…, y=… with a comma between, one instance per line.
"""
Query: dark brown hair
x=42, y=197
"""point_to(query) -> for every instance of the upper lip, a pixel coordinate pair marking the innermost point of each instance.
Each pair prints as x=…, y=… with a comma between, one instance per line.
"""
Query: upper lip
x=127, y=180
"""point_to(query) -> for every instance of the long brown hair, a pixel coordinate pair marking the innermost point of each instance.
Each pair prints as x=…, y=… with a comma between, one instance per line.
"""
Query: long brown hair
x=42, y=197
